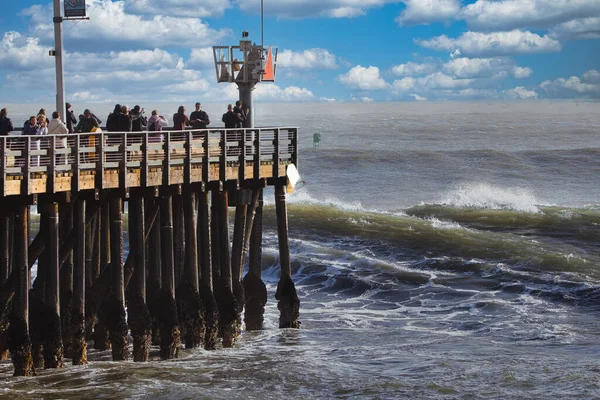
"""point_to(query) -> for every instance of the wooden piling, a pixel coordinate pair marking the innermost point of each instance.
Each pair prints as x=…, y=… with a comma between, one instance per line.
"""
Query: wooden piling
x=5, y=226
x=18, y=331
x=114, y=308
x=178, y=237
x=255, y=291
x=154, y=279
x=211, y=313
x=66, y=274
x=223, y=287
x=189, y=303
x=168, y=322
x=288, y=302
x=77, y=326
x=137, y=311
x=101, y=334
x=237, y=259
x=53, y=347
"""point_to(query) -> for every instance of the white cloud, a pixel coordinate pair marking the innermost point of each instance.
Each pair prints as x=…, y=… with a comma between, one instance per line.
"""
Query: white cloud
x=202, y=58
x=521, y=93
x=363, y=78
x=112, y=26
x=307, y=59
x=417, y=97
x=478, y=67
x=439, y=80
x=589, y=86
x=520, y=72
x=511, y=14
x=493, y=44
x=270, y=92
x=403, y=85
x=412, y=69
x=328, y=99
x=180, y=8
x=426, y=11
x=19, y=52
x=583, y=28
x=295, y=9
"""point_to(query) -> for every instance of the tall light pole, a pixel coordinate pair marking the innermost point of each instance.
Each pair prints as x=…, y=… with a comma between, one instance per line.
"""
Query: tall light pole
x=58, y=55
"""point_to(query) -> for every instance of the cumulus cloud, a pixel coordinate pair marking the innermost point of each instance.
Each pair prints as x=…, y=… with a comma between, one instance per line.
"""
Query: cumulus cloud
x=413, y=69
x=180, y=8
x=363, y=78
x=586, y=86
x=583, y=28
x=426, y=11
x=19, y=52
x=403, y=85
x=201, y=58
x=417, y=97
x=520, y=72
x=294, y=9
x=510, y=14
x=439, y=80
x=521, y=93
x=478, y=67
x=272, y=92
x=307, y=59
x=112, y=27
x=480, y=44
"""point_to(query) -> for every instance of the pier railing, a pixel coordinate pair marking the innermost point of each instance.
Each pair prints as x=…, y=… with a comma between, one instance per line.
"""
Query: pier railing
x=87, y=161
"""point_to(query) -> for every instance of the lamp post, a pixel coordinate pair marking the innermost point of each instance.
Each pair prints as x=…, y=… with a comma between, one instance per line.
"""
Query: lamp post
x=58, y=55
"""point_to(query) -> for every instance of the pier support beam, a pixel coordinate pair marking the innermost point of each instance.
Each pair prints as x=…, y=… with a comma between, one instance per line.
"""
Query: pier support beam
x=5, y=234
x=137, y=311
x=66, y=274
x=101, y=336
x=211, y=311
x=77, y=326
x=255, y=291
x=114, y=309
x=189, y=303
x=223, y=288
x=53, y=347
x=237, y=253
x=18, y=331
x=288, y=302
x=167, y=317
x=154, y=279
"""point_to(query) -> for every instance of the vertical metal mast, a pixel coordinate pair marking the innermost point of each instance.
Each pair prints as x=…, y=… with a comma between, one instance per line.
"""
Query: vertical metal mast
x=58, y=46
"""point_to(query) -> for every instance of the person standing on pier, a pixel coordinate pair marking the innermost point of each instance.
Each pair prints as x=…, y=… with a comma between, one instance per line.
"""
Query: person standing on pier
x=199, y=118
x=157, y=122
x=56, y=126
x=30, y=127
x=126, y=119
x=70, y=117
x=180, y=120
x=243, y=114
x=140, y=123
x=6, y=125
x=230, y=118
x=87, y=123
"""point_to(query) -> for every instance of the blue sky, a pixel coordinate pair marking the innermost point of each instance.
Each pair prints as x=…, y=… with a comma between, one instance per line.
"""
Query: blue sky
x=329, y=50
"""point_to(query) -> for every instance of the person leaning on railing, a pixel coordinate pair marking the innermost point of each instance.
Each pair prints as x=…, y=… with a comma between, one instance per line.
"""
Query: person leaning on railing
x=6, y=125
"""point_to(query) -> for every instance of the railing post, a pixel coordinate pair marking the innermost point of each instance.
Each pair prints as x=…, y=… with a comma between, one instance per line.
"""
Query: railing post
x=100, y=162
x=123, y=165
x=223, y=158
x=256, y=174
x=188, y=159
x=27, y=164
x=75, y=168
x=3, y=141
x=51, y=171
x=206, y=159
x=295, y=147
x=242, y=170
x=167, y=158
x=276, y=145
x=144, y=166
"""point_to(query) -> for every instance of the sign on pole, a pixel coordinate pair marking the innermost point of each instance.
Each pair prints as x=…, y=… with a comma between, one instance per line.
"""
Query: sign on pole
x=74, y=8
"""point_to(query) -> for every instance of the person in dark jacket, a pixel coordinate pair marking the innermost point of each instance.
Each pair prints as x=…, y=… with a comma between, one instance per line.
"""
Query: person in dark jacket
x=6, y=125
x=199, y=118
x=112, y=122
x=243, y=114
x=31, y=126
x=87, y=123
x=126, y=119
x=139, y=124
x=230, y=118
x=71, y=120
x=180, y=120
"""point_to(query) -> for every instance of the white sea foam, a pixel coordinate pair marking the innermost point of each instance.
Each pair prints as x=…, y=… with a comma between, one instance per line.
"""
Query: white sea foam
x=483, y=195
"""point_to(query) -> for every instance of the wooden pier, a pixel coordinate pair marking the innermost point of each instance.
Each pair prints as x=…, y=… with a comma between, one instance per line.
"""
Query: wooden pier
x=182, y=278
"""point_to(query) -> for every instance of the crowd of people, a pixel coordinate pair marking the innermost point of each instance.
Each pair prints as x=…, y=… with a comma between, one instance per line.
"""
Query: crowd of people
x=122, y=119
